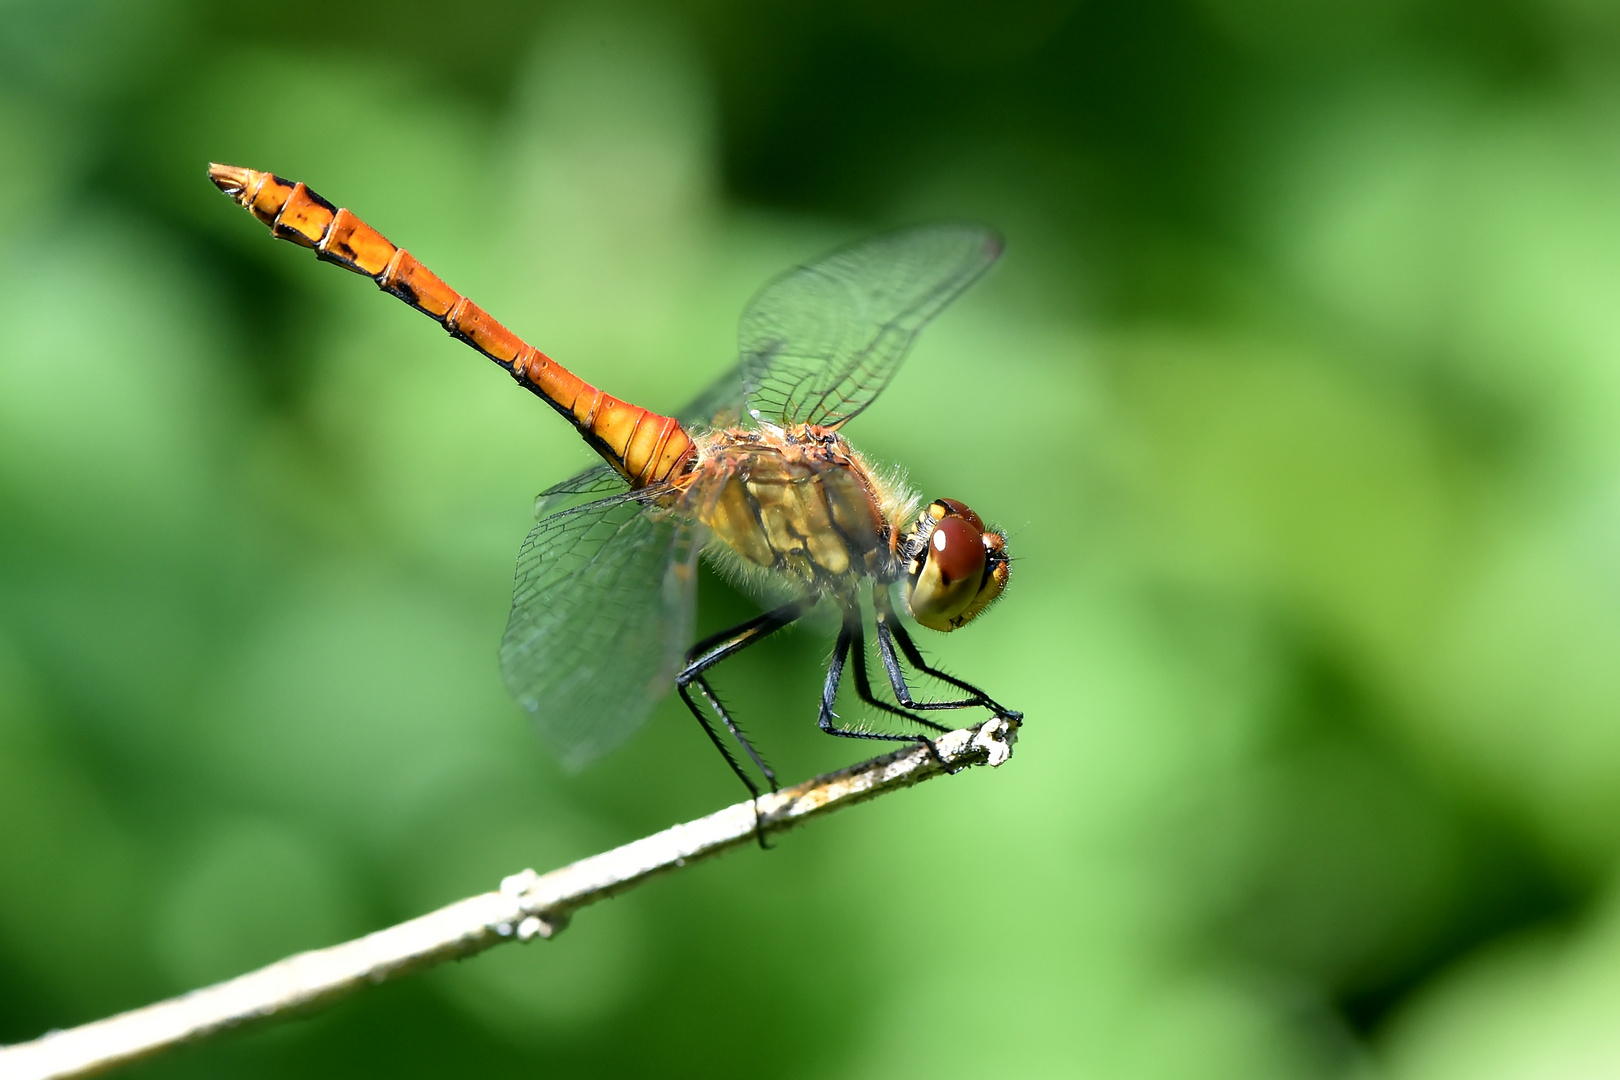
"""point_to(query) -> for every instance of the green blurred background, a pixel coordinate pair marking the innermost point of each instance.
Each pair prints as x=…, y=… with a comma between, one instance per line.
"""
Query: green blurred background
x=1297, y=390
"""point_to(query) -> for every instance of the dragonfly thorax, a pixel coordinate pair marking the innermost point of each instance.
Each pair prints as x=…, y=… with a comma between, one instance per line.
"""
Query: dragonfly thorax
x=798, y=501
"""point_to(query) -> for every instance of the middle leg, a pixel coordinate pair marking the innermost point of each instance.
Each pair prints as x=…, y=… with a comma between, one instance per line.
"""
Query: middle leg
x=851, y=635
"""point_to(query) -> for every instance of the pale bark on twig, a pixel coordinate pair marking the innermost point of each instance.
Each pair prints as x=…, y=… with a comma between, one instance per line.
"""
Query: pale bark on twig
x=527, y=906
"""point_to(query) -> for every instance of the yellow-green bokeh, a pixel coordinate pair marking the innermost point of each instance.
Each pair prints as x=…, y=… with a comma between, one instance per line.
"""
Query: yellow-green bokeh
x=1297, y=392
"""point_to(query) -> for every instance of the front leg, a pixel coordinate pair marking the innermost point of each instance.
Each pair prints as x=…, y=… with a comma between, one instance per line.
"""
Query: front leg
x=863, y=684
x=890, y=633
x=850, y=634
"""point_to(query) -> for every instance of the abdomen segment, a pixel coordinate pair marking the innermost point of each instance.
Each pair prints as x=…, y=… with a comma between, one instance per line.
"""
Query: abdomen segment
x=646, y=447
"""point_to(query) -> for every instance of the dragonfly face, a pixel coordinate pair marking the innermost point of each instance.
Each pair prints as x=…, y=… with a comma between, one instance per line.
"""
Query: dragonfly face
x=756, y=468
x=954, y=566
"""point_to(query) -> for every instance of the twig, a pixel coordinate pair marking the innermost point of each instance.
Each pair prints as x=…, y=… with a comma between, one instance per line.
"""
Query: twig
x=527, y=906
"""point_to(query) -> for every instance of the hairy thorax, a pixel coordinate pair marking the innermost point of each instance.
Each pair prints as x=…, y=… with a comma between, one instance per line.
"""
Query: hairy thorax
x=797, y=500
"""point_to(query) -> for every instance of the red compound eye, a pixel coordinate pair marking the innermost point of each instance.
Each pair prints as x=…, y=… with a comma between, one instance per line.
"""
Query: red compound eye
x=960, y=571
x=959, y=509
x=956, y=550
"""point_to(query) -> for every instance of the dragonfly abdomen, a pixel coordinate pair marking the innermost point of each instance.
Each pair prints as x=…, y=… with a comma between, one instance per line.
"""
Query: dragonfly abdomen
x=645, y=447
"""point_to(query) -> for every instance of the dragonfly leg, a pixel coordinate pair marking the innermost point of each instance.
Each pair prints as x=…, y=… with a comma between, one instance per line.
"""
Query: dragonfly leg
x=705, y=655
x=890, y=633
x=683, y=688
x=850, y=635
x=863, y=685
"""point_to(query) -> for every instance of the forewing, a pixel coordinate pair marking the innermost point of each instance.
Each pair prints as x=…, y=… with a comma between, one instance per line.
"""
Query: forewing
x=819, y=343
x=601, y=618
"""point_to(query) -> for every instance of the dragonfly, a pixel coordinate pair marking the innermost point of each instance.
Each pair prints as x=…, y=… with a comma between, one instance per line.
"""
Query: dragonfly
x=755, y=472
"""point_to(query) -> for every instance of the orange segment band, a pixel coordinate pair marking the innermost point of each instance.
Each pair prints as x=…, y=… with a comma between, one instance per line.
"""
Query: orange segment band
x=270, y=195
x=417, y=286
x=472, y=324
x=354, y=245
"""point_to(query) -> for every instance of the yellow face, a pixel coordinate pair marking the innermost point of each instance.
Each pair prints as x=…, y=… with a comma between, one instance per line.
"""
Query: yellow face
x=956, y=566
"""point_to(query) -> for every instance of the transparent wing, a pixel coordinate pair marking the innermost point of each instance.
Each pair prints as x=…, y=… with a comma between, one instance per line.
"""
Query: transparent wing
x=598, y=480
x=719, y=405
x=601, y=618
x=819, y=343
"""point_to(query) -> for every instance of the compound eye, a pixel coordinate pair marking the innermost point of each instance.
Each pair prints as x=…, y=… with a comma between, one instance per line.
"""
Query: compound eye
x=943, y=507
x=948, y=572
x=957, y=550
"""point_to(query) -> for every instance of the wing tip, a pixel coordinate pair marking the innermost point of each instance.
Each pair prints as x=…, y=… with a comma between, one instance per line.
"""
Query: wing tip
x=976, y=236
x=994, y=243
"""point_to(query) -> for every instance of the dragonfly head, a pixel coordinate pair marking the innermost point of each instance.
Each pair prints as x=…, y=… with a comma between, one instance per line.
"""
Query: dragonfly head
x=955, y=567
